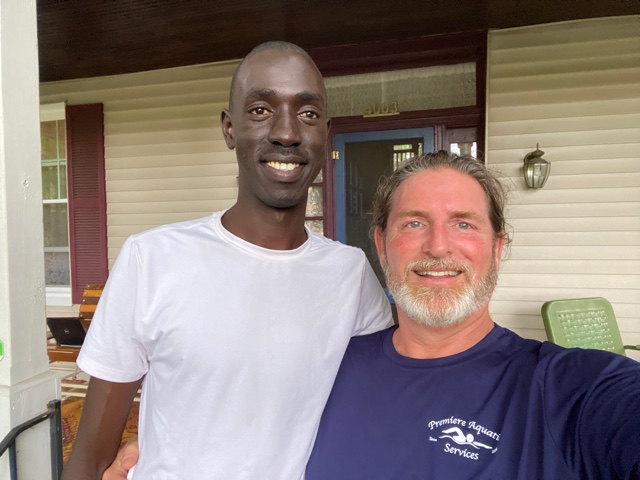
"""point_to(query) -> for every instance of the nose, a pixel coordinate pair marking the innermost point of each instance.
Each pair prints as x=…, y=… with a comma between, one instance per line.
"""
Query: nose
x=285, y=130
x=437, y=243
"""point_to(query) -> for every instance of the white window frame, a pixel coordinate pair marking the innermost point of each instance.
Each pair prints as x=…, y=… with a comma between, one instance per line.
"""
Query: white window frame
x=59, y=296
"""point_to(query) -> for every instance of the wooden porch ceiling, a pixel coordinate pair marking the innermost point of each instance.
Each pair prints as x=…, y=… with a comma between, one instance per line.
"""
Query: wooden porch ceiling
x=79, y=39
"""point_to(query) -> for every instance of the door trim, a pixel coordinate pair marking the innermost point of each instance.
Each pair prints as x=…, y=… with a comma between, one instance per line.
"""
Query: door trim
x=339, y=141
x=439, y=119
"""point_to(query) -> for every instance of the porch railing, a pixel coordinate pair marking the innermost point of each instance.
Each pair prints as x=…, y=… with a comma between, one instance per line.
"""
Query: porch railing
x=54, y=415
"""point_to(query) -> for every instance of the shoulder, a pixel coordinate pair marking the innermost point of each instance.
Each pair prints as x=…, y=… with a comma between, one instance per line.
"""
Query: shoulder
x=169, y=242
x=324, y=245
x=554, y=363
x=583, y=377
x=368, y=344
x=560, y=360
x=364, y=356
x=510, y=347
x=179, y=229
x=320, y=241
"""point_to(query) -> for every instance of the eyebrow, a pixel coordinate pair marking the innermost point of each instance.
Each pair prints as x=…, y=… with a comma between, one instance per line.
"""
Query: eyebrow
x=411, y=213
x=264, y=93
x=310, y=97
x=260, y=93
x=455, y=214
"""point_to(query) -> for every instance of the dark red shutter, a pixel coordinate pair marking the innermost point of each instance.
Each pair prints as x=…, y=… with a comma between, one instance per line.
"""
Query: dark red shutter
x=87, y=197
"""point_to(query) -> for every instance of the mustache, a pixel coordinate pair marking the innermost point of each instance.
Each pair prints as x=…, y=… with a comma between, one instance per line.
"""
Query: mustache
x=440, y=264
x=292, y=151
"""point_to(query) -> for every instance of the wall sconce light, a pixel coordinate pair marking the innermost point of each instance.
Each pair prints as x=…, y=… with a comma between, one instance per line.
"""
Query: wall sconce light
x=536, y=169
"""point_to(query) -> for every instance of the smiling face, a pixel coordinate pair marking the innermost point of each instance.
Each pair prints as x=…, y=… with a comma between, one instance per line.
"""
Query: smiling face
x=439, y=251
x=278, y=125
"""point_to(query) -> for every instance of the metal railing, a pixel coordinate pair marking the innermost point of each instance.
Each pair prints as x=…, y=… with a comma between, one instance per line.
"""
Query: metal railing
x=54, y=415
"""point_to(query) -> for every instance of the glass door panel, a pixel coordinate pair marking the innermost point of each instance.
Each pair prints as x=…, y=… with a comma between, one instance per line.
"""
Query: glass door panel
x=362, y=159
x=462, y=141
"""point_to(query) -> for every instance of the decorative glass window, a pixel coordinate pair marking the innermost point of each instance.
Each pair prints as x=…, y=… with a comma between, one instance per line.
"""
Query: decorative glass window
x=315, y=208
x=396, y=91
x=467, y=148
x=404, y=152
x=462, y=141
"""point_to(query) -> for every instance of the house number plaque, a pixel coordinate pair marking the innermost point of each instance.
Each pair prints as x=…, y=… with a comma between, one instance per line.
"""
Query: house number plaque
x=381, y=109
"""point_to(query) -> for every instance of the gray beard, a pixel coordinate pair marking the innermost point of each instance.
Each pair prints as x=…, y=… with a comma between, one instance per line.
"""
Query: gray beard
x=439, y=306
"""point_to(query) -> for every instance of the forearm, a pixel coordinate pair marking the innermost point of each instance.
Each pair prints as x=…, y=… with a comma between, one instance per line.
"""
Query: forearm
x=104, y=416
x=81, y=466
x=91, y=455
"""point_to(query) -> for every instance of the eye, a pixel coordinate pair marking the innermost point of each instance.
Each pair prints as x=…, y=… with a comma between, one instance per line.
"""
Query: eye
x=414, y=224
x=258, y=111
x=464, y=225
x=309, y=114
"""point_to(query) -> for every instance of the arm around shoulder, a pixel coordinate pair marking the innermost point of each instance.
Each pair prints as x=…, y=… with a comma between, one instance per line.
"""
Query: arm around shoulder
x=105, y=411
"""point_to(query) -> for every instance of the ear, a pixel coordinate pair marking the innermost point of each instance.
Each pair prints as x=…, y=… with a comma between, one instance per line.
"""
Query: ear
x=498, y=250
x=227, y=129
x=378, y=238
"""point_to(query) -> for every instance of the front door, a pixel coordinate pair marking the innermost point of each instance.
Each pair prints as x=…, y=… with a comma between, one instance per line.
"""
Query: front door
x=364, y=157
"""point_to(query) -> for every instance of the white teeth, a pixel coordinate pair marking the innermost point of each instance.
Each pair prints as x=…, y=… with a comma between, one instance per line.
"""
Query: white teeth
x=438, y=274
x=283, y=166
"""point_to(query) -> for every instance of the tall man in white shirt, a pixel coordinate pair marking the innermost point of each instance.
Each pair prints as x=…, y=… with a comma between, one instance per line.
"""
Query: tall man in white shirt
x=237, y=322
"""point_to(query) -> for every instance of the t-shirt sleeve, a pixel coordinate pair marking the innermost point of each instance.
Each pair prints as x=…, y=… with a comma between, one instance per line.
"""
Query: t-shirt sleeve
x=374, y=310
x=610, y=428
x=593, y=410
x=112, y=350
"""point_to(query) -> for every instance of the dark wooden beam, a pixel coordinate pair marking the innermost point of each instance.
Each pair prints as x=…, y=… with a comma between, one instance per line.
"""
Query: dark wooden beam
x=78, y=39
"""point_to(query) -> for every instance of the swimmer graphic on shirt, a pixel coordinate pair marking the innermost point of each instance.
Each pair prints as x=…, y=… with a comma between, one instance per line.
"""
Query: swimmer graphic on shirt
x=461, y=439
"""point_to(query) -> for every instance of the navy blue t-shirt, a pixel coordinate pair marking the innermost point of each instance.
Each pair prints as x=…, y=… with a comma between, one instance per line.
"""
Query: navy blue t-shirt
x=508, y=408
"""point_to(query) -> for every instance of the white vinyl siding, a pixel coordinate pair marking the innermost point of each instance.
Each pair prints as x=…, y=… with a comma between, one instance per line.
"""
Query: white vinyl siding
x=165, y=157
x=574, y=89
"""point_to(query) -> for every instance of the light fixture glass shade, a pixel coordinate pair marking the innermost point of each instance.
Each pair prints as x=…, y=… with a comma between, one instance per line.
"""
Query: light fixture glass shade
x=536, y=169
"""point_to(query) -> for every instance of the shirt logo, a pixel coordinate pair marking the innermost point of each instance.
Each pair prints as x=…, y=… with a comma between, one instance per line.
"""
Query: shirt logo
x=466, y=439
x=460, y=438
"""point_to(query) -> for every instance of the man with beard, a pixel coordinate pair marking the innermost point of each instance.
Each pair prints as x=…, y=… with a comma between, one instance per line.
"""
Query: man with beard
x=448, y=394
x=235, y=321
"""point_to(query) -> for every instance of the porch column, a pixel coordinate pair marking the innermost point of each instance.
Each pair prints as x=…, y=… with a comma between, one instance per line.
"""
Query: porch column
x=25, y=382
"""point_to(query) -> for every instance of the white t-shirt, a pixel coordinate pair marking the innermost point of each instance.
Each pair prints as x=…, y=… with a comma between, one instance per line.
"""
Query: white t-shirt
x=239, y=346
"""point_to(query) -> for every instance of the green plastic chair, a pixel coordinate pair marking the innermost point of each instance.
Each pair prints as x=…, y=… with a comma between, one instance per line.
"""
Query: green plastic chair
x=584, y=323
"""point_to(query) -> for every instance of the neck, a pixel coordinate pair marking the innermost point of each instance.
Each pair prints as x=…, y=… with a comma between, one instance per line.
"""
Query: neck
x=414, y=340
x=275, y=229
